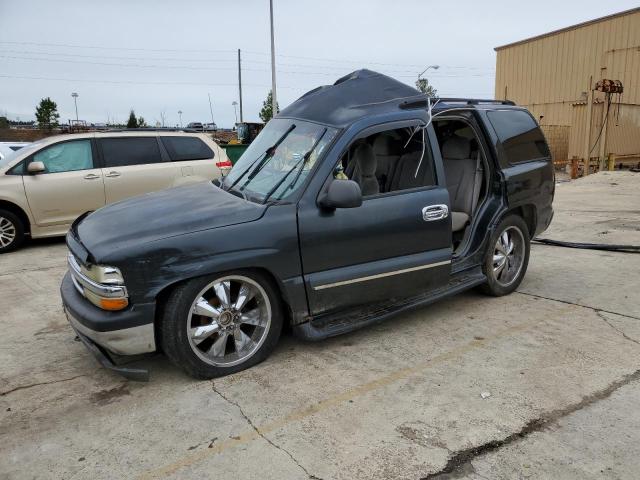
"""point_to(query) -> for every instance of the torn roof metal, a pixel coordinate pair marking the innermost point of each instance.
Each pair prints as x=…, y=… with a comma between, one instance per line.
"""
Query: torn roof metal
x=352, y=97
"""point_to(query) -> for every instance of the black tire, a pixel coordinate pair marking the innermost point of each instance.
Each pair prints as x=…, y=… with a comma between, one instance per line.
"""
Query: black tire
x=494, y=286
x=175, y=338
x=10, y=223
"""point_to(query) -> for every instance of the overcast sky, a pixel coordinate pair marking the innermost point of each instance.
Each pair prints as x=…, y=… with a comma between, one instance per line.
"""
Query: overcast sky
x=160, y=57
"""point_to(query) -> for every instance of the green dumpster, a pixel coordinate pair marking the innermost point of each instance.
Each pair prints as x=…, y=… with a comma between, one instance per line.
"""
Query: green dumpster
x=234, y=152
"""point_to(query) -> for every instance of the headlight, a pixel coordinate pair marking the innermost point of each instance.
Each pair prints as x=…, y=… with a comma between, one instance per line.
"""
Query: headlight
x=100, y=284
x=104, y=275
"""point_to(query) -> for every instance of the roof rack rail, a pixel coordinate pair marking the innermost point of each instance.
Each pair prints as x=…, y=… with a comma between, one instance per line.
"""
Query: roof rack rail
x=150, y=129
x=476, y=101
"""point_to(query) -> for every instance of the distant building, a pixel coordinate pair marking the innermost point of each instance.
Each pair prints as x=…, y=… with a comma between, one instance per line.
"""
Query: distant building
x=556, y=76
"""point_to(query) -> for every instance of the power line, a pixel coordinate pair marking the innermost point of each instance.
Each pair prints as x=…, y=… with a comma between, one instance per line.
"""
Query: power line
x=315, y=59
x=131, y=82
x=186, y=67
x=215, y=60
x=172, y=59
x=102, y=47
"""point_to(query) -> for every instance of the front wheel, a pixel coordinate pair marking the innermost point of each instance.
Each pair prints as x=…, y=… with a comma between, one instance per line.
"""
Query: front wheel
x=221, y=324
x=507, y=257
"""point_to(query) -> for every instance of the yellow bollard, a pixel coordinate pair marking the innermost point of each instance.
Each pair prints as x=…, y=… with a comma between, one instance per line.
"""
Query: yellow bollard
x=611, y=161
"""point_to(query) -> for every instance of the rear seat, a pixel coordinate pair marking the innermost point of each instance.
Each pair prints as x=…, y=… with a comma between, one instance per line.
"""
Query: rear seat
x=459, y=169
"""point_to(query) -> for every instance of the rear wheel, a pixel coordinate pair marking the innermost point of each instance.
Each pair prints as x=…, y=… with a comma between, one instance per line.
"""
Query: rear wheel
x=11, y=231
x=221, y=324
x=507, y=257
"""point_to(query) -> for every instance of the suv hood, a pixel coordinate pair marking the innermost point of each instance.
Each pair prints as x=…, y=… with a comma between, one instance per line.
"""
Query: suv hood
x=162, y=214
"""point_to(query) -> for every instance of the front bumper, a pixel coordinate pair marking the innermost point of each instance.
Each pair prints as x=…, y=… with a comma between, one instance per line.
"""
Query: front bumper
x=127, y=332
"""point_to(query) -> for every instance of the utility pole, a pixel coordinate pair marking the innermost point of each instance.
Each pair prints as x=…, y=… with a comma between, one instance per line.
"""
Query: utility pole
x=211, y=109
x=240, y=83
x=274, y=101
x=587, y=130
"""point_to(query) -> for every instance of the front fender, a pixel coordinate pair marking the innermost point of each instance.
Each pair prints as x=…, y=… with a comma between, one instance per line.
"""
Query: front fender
x=269, y=244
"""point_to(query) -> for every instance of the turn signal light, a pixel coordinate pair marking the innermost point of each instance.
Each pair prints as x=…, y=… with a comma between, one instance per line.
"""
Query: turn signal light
x=224, y=164
x=113, y=303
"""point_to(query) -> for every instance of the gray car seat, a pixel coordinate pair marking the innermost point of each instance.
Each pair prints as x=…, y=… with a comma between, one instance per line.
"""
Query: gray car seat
x=460, y=170
x=384, y=147
x=405, y=177
x=364, y=171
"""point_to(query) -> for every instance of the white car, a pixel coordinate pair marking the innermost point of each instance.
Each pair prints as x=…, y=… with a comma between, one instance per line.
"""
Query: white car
x=46, y=185
x=7, y=148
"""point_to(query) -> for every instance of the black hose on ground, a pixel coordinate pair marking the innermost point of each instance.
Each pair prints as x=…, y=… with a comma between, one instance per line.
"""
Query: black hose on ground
x=589, y=246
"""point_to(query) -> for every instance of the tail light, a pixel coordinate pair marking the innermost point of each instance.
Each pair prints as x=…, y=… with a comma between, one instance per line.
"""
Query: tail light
x=226, y=164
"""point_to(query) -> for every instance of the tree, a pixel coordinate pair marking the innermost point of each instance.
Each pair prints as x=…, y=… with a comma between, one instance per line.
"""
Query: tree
x=47, y=114
x=141, y=122
x=133, y=121
x=423, y=85
x=267, y=108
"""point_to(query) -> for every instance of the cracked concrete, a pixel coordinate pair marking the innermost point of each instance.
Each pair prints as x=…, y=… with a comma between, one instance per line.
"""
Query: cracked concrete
x=31, y=385
x=262, y=435
x=460, y=463
x=398, y=400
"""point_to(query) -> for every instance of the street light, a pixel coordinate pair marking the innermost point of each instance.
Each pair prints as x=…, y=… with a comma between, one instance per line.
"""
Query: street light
x=235, y=109
x=180, y=113
x=435, y=67
x=75, y=100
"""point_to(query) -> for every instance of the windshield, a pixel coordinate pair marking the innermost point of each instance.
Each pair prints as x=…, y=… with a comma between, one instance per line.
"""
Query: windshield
x=267, y=172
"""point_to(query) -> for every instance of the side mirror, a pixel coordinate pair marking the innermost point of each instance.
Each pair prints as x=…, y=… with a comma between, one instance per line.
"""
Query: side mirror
x=341, y=194
x=36, y=167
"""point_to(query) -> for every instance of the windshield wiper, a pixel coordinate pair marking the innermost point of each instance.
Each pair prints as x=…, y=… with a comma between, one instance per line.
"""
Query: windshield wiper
x=262, y=158
x=301, y=163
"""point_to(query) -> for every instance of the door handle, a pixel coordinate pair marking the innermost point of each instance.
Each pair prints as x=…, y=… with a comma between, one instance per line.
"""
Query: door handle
x=91, y=176
x=112, y=174
x=435, y=212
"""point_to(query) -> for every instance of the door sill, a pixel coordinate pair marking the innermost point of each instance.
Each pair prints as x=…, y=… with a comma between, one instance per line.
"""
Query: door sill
x=337, y=323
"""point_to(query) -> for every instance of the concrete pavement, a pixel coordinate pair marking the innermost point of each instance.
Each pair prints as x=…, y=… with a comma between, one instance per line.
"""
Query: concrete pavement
x=559, y=360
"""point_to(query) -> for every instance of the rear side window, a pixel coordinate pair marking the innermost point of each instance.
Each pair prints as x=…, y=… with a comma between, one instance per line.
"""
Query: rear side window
x=122, y=152
x=521, y=138
x=186, y=148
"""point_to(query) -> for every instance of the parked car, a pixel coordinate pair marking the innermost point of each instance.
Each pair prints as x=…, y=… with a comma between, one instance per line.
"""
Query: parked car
x=353, y=204
x=7, y=148
x=196, y=126
x=210, y=127
x=46, y=185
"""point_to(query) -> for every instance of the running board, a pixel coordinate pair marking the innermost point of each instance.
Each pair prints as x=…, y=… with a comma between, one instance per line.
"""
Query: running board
x=334, y=324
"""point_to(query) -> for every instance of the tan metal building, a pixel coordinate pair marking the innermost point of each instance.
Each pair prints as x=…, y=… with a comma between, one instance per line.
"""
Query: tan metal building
x=555, y=76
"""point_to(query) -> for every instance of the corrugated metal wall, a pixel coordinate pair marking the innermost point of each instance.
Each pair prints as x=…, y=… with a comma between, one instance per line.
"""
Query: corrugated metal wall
x=623, y=130
x=549, y=74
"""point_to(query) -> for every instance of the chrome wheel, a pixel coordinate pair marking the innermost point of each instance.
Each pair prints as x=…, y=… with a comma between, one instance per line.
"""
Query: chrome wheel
x=508, y=256
x=7, y=232
x=229, y=320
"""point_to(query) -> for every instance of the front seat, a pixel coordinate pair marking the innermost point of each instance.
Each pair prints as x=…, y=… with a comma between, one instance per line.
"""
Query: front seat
x=459, y=170
x=384, y=147
x=365, y=169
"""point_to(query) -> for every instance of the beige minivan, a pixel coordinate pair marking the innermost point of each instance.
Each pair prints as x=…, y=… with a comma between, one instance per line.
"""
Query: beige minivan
x=46, y=185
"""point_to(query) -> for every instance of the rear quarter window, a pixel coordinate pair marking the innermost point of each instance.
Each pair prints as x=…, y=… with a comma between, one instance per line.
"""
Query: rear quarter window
x=186, y=148
x=521, y=138
x=126, y=151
